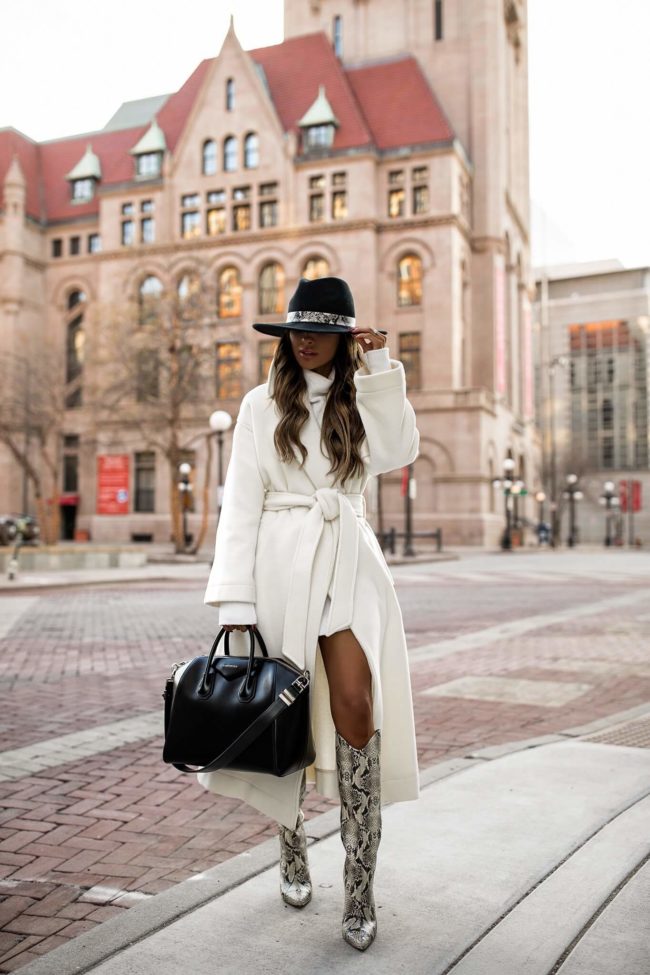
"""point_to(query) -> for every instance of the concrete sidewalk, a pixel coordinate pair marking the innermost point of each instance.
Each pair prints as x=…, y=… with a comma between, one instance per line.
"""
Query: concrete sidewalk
x=523, y=862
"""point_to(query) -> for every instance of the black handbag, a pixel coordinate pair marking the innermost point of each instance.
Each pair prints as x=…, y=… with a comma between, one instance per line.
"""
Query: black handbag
x=249, y=713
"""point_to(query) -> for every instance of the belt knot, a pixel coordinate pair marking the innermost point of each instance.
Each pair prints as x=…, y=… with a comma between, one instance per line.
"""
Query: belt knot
x=328, y=500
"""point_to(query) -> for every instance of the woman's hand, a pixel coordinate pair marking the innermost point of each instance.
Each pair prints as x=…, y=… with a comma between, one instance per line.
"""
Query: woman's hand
x=232, y=626
x=369, y=338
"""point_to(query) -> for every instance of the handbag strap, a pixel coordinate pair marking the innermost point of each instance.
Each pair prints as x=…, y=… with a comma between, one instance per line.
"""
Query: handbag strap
x=288, y=697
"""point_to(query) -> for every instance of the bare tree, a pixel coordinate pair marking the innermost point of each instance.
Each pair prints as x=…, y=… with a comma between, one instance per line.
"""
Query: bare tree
x=153, y=372
x=33, y=399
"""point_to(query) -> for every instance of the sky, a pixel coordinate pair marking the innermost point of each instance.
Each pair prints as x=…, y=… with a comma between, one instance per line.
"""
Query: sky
x=67, y=66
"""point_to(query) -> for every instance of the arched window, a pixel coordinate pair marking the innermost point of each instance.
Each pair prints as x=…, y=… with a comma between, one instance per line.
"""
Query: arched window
x=271, y=289
x=230, y=94
x=149, y=297
x=188, y=292
x=251, y=151
x=316, y=267
x=230, y=154
x=209, y=157
x=409, y=280
x=75, y=340
x=229, y=293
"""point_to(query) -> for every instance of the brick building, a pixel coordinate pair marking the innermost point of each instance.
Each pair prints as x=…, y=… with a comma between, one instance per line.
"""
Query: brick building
x=382, y=141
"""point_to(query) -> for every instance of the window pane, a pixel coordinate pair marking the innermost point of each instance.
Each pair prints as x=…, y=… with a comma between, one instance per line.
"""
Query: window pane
x=190, y=200
x=147, y=375
x=190, y=224
x=148, y=164
x=230, y=154
x=396, y=177
x=316, y=267
x=94, y=243
x=70, y=472
x=229, y=385
x=268, y=213
x=145, y=481
x=420, y=199
x=146, y=206
x=268, y=189
x=240, y=193
x=317, y=182
x=266, y=351
x=271, y=290
x=147, y=230
x=189, y=295
x=216, y=196
x=409, y=281
x=230, y=95
x=216, y=221
x=128, y=232
x=229, y=294
x=339, y=179
x=209, y=157
x=75, y=245
x=251, y=151
x=127, y=209
x=316, y=207
x=396, y=203
x=339, y=205
x=150, y=294
x=409, y=353
x=57, y=247
x=241, y=217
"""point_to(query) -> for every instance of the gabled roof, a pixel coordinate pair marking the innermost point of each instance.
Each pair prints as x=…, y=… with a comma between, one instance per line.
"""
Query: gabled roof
x=384, y=105
x=152, y=141
x=88, y=166
x=320, y=113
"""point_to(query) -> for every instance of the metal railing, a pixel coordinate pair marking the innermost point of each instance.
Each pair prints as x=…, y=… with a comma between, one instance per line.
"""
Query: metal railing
x=388, y=539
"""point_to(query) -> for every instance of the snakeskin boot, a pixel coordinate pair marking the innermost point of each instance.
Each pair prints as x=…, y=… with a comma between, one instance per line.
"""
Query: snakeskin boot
x=295, y=882
x=359, y=787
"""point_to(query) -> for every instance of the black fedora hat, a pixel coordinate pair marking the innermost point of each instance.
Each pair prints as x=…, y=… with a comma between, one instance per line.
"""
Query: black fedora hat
x=321, y=305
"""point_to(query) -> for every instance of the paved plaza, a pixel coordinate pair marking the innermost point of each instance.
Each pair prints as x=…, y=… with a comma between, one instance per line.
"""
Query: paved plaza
x=504, y=647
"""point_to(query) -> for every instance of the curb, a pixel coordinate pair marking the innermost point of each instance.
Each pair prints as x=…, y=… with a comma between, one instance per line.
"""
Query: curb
x=89, y=950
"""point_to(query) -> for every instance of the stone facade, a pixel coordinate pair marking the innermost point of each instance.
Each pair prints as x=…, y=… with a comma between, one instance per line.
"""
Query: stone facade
x=427, y=160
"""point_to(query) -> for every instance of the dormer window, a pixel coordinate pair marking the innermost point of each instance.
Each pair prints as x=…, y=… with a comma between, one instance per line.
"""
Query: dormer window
x=148, y=165
x=149, y=152
x=318, y=124
x=84, y=176
x=83, y=190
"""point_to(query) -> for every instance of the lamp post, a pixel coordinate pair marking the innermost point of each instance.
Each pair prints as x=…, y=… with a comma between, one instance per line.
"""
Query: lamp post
x=220, y=422
x=507, y=484
x=542, y=535
x=185, y=490
x=557, y=360
x=409, y=496
x=573, y=494
x=609, y=498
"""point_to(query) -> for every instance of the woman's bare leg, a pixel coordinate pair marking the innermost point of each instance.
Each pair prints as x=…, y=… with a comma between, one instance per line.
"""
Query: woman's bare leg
x=350, y=684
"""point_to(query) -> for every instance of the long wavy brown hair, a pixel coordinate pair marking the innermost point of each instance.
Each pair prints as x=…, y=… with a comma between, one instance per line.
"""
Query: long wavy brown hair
x=342, y=430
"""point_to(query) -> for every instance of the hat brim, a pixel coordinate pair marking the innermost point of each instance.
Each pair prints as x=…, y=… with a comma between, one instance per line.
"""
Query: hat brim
x=279, y=329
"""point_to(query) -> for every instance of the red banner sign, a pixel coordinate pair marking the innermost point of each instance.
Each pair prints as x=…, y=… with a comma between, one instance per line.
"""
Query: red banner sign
x=113, y=484
x=629, y=495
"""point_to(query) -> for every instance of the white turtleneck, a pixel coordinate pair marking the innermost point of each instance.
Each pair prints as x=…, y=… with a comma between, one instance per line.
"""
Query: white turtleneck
x=376, y=360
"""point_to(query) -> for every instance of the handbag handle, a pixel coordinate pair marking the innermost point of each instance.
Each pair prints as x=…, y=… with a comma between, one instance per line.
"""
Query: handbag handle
x=285, y=700
x=205, y=686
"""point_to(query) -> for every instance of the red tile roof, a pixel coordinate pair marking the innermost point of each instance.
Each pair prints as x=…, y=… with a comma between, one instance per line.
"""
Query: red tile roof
x=398, y=104
x=385, y=105
x=295, y=69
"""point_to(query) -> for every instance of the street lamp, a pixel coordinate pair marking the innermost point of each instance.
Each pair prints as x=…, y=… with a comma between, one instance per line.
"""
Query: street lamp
x=507, y=484
x=409, y=496
x=572, y=494
x=185, y=489
x=609, y=498
x=220, y=421
x=557, y=360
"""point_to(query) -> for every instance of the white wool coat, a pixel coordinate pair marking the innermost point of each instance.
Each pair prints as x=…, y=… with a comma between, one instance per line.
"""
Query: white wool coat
x=295, y=544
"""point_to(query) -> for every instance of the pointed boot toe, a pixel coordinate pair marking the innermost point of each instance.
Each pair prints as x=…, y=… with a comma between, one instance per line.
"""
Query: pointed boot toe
x=359, y=933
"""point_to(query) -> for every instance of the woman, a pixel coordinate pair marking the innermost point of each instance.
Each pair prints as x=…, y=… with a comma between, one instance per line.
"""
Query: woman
x=295, y=554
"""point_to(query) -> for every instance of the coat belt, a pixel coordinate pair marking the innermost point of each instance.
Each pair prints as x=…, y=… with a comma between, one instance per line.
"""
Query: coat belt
x=308, y=581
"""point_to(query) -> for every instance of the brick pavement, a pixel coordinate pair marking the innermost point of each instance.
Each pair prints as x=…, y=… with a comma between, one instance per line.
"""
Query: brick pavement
x=84, y=840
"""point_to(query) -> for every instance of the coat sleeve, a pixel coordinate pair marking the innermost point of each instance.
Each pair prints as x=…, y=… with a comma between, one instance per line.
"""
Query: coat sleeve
x=388, y=418
x=232, y=577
